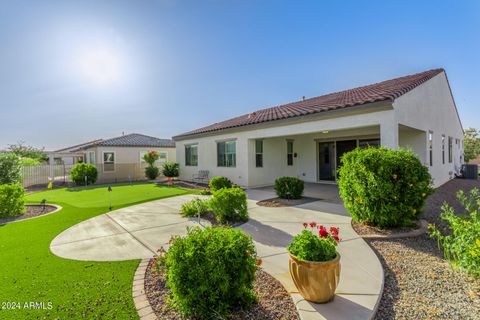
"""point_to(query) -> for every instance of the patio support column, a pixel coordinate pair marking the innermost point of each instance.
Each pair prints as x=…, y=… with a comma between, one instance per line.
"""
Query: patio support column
x=389, y=135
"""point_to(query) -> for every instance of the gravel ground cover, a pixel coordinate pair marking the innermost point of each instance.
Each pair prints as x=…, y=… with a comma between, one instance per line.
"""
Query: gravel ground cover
x=279, y=202
x=363, y=229
x=419, y=283
x=274, y=302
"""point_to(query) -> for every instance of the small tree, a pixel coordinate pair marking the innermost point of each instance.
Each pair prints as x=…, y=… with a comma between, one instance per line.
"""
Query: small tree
x=471, y=144
x=151, y=172
x=26, y=151
x=10, y=169
x=170, y=169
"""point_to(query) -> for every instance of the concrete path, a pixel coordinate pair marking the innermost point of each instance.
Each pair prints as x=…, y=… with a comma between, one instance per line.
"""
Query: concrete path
x=138, y=231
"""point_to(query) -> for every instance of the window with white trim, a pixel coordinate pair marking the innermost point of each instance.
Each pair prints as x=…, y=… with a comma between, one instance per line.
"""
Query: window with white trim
x=108, y=161
x=290, y=153
x=162, y=157
x=91, y=157
x=226, y=154
x=430, y=146
x=450, y=149
x=191, y=155
x=259, y=153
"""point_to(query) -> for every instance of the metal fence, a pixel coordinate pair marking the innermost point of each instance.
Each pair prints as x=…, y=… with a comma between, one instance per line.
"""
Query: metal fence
x=60, y=173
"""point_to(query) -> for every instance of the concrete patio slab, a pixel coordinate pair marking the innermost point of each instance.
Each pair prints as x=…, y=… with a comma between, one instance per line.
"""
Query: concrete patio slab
x=138, y=231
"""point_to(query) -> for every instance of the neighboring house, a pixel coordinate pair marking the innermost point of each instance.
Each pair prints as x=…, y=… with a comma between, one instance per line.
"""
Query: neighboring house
x=119, y=158
x=306, y=138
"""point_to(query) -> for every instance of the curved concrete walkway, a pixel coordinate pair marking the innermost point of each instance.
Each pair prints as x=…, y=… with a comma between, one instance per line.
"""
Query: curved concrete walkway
x=138, y=231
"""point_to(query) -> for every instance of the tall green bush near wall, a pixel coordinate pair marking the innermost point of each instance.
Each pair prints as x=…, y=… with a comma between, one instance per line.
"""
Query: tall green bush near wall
x=12, y=200
x=383, y=187
x=10, y=169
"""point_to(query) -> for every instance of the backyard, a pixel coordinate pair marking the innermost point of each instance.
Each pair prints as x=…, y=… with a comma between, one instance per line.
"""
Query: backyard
x=76, y=289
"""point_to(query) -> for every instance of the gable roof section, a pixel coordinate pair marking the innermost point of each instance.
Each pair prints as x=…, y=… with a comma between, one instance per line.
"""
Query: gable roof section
x=128, y=140
x=137, y=140
x=388, y=90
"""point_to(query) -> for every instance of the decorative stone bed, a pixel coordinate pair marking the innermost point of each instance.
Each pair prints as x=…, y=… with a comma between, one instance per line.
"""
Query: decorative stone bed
x=32, y=211
x=274, y=302
x=280, y=202
x=370, y=232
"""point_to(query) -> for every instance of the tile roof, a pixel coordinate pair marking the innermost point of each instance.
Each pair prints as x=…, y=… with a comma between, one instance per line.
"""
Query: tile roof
x=128, y=140
x=382, y=91
x=137, y=140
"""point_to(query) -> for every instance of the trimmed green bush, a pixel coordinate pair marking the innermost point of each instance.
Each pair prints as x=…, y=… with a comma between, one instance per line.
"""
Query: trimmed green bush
x=219, y=182
x=10, y=169
x=194, y=208
x=152, y=172
x=211, y=271
x=171, y=169
x=289, y=187
x=12, y=200
x=229, y=205
x=80, y=170
x=461, y=240
x=383, y=187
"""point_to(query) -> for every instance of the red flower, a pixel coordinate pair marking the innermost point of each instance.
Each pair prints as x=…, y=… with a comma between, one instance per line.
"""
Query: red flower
x=334, y=230
x=322, y=232
x=305, y=224
x=313, y=224
x=259, y=262
x=336, y=238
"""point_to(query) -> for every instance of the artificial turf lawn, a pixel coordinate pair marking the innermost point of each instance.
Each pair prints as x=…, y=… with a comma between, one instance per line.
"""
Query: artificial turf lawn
x=29, y=272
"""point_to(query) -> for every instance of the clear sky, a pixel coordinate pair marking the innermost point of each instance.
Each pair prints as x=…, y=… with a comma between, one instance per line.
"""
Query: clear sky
x=72, y=71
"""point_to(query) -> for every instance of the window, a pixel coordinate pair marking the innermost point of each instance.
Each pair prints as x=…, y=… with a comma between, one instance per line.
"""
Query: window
x=289, y=153
x=443, y=148
x=108, y=161
x=259, y=153
x=191, y=155
x=430, y=146
x=365, y=143
x=450, y=149
x=226, y=154
x=91, y=157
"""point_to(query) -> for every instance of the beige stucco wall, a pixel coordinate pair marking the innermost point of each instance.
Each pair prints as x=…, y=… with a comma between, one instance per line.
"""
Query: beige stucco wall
x=430, y=106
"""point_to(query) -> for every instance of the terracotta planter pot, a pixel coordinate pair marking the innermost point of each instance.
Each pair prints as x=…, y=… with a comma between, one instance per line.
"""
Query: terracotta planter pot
x=316, y=281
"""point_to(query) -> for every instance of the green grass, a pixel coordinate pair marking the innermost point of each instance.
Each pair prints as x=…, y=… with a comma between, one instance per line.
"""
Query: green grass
x=29, y=272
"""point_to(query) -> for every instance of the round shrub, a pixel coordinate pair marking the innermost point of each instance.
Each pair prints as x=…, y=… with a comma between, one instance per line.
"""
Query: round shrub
x=219, y=182
x=383, y=187
x=211, y=271
x=289, y=187
x=12, y=200
x=80, y=170
x=170, y=169
x=152, y=172
x=194, y=208
x=229, y=205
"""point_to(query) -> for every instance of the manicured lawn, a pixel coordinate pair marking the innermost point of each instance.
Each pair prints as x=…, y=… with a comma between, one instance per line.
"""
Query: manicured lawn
x=29, y=272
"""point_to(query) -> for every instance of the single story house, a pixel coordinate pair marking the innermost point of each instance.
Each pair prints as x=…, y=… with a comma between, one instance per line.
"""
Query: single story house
x=306, y=138
x=119, y=158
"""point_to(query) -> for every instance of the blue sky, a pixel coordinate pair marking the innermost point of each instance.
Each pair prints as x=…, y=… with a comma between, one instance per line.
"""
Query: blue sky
x=71, y=71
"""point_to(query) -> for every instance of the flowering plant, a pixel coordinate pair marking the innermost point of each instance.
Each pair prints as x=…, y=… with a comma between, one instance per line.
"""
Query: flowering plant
x=316, y=243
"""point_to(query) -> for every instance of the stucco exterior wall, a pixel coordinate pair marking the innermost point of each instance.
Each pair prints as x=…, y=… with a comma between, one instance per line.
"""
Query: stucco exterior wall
x=430, y=107
x=304, y=135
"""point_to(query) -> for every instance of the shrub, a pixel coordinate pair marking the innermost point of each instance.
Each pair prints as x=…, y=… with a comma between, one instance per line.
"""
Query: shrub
x=10, y=169
x=310, y=246
x=150, y=157
x=289, y=187
x=205, y=192
x=80, y=170
x=194, y=208
x=382, y=187
x=219, y=182
x=152, y=172
x=170, y=169
x=12, y=200
x=462, y=244
x=229, y=205
x=211, y=271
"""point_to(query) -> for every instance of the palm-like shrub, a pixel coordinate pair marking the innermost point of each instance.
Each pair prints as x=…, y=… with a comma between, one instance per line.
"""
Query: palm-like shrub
x=151, y=171
x=383, y=187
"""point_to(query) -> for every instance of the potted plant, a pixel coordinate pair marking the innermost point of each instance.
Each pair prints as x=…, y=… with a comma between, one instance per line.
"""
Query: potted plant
x=315, y=262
